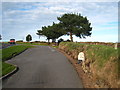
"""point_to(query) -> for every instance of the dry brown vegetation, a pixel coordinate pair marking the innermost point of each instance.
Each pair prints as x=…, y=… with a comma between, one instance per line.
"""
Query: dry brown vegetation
x=101, y=62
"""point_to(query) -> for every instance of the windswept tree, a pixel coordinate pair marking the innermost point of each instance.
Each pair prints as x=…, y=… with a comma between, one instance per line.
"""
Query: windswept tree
x=28, y=38
x=0, y=37
x=75, y=24
x=46, y=32
x=51, y=32
x=56, y=31
x=39, y=32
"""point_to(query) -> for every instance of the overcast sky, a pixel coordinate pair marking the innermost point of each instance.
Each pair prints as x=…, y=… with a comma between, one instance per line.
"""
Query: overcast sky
x=22, y=18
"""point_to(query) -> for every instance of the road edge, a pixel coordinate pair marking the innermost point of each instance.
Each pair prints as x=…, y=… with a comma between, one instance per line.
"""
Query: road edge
x=16, y=67
x=10, y=73
x=15, y=55
x=82, y=75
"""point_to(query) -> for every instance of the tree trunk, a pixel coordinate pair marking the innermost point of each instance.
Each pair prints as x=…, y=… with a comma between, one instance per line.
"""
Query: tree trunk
x=39, y=37
x=53, y=40
x=48, y=41
x=71, y=38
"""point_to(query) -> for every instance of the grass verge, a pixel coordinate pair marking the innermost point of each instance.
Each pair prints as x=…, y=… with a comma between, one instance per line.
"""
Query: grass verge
x=8, y=53
x=12, y=51
x=6, y=68
x=101, y=62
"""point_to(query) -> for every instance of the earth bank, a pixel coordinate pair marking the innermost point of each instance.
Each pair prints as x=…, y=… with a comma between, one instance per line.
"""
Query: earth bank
x=101, y=63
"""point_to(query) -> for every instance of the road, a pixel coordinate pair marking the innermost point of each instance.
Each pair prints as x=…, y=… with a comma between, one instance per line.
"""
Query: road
x=6, y=45
x=42, y=67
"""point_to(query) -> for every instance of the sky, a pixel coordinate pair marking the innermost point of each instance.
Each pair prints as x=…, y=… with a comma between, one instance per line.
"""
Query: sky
x=22, y=18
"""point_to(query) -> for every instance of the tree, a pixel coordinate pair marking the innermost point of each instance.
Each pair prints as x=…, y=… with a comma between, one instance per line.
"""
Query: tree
x=60, y=40
x=28, y=38
x=0, y=37
x=75, y=24
x=46, y=32
x=51, y=32
x=56, y=31
x=39, y=32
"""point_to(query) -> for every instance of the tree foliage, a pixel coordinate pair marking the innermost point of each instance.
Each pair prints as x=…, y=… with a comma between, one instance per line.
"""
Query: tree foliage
x=51, y=32
x=0, y=37
x=28, y=38
x=75, y=24
x=70, y=24
x=39, y=32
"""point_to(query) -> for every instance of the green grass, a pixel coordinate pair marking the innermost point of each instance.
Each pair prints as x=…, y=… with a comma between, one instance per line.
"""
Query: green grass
x=55, y=46
x=118, y=61
x=5, y=68
x=9, y=53
x=12, y=51
x=101, y=53
x=0, y=54
x=101, y=60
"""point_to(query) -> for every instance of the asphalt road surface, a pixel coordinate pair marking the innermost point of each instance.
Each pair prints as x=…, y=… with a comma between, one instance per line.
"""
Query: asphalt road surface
x=42, y=67
x=6, y=45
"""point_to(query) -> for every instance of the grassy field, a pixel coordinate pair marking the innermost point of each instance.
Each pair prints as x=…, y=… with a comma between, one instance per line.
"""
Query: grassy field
x=5, y=68
x=13, y=50
x=101, y=61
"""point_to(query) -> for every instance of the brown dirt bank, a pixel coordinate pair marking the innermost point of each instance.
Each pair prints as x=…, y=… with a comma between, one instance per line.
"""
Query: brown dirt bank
x=100, y=69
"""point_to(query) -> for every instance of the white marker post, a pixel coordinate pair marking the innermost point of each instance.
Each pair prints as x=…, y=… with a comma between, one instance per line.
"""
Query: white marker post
x=81, y=56
x=116, y=45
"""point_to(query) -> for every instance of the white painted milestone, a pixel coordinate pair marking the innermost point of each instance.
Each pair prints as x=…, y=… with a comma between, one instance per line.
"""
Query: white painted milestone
x=116, y=45
x=81, y=56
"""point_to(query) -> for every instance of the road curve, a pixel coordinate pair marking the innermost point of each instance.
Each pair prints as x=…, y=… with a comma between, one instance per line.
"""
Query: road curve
x=42, y=67
x=6, y=45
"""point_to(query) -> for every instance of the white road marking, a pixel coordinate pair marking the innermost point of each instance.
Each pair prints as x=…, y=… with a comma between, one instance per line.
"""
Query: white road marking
x=51, y=49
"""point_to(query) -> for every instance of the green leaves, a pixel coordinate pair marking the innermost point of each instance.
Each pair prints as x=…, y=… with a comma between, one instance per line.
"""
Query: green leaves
x=75, y=24
x=28, y=38
x=70, y=24
x=51, y=32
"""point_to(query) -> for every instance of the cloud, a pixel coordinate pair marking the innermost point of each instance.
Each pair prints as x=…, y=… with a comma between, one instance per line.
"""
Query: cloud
x=60, y=0
x=94, y=38
x=21, y=18
x=99, y=38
